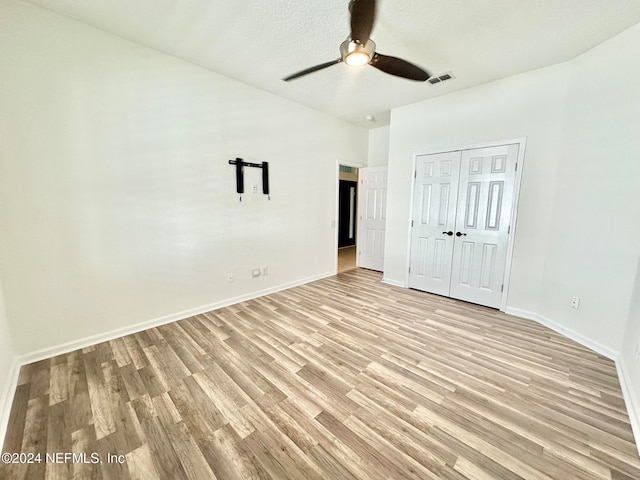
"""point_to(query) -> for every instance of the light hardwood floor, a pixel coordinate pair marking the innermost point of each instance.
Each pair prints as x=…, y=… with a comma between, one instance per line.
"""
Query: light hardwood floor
x=346, y=259
x=343, y=378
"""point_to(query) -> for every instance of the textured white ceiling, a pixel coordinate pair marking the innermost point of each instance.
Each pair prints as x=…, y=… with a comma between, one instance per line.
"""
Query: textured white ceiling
x=261, y=41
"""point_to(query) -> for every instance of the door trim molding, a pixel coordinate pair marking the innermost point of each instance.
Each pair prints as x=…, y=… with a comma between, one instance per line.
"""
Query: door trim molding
x=522, y=145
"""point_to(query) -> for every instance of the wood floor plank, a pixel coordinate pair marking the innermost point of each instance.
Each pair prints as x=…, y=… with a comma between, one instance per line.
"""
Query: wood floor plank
x=17, y=418
x=344, y=378
x=332, y=468
x=229, y=458
x=219, y=391
x=120, y=352
x=78, y=392
x=40, y=378
x=141, y=466
x=58, y=383
x=399, y=463
x=103, y=418
x=191, y=458
x=58, y=440
x=83, y=443
x=403, y=436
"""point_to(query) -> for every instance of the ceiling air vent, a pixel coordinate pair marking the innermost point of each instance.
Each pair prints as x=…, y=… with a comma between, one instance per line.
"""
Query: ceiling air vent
x=442, y=78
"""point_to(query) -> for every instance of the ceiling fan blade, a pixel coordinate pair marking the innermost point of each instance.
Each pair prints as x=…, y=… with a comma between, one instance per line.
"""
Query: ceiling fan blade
x=312, y=69
x=399, y=68
x=363, y=14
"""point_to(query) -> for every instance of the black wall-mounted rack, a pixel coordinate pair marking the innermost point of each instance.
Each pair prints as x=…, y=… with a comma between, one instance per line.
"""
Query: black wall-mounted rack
x=240, y=164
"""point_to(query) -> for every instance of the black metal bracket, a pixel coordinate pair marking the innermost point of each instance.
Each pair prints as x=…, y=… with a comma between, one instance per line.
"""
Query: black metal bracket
x=240, y=164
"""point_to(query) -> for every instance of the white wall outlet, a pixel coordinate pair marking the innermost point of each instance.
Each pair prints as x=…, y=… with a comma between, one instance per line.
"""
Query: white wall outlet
x=255, y=272
x=229, y=277
x=254, y=188
x=575, y=302
x=265, y=270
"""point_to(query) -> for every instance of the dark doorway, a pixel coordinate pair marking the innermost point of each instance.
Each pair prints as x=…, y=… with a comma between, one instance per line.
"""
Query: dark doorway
x=347, y=213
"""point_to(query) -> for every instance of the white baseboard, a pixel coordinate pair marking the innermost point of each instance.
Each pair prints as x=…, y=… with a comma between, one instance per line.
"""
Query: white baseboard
x=555, y=326
x=631, y=399
x=138, y=327
x=393, y=283
x=8, y=390
x=6, y=397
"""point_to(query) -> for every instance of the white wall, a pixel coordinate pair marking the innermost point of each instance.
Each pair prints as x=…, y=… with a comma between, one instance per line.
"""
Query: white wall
x=378, y=146
x=595, y=227
x=116, y=198
x=578, y=226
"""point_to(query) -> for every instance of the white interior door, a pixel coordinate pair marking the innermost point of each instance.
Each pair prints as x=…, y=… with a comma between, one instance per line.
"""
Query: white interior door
x=462, y=206
x=372, y=216
x=485, y=198
x=433, y=223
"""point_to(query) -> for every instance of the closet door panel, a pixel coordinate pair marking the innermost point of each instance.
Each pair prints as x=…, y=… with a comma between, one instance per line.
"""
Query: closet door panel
x=485, y=197
x=434, y=217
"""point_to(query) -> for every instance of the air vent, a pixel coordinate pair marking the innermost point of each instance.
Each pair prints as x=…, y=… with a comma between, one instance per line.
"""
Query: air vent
x=442, y=78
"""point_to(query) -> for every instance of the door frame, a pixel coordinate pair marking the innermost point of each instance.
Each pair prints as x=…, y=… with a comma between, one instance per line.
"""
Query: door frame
x=522, y=145
x=336, y=215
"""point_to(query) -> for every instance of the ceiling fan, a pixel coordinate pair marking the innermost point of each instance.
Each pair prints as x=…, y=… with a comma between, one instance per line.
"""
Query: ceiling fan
x=358, y=49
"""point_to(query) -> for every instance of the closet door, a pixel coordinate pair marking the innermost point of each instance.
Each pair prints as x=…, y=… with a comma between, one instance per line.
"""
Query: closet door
x=485, y=198
x=433, y=223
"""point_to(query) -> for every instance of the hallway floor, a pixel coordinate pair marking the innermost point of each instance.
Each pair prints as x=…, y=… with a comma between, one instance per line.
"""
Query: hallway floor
x=346, y=259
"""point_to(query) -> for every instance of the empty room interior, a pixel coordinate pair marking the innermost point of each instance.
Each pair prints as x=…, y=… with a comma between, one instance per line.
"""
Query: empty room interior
x=180, y=186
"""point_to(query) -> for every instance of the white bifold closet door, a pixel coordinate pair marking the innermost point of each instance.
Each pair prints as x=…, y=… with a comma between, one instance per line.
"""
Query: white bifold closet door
x=460, y=228
x=434, y=217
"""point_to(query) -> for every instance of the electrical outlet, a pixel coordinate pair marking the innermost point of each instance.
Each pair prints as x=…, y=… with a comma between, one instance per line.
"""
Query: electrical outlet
x=255, y=272
x=575, y=302
x=229, y=277
x=265, y=270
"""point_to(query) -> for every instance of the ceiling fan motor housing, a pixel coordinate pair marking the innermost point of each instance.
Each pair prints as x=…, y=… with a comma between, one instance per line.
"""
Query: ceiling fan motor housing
x=355, y=54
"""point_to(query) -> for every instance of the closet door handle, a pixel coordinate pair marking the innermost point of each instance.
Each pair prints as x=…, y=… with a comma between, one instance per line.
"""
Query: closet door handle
x=448, y=233
x=460, y=234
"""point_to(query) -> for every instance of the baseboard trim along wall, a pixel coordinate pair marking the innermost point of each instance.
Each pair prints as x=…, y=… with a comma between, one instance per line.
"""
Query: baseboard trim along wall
x=575, y=336
x=630, y=400
x=394, y=283
x=48, y=352
x=6, y=397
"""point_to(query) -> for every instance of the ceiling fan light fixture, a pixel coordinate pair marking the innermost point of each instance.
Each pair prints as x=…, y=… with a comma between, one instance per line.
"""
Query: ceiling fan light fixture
x=357, y=59
x=359, y=50
x=356, y=54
